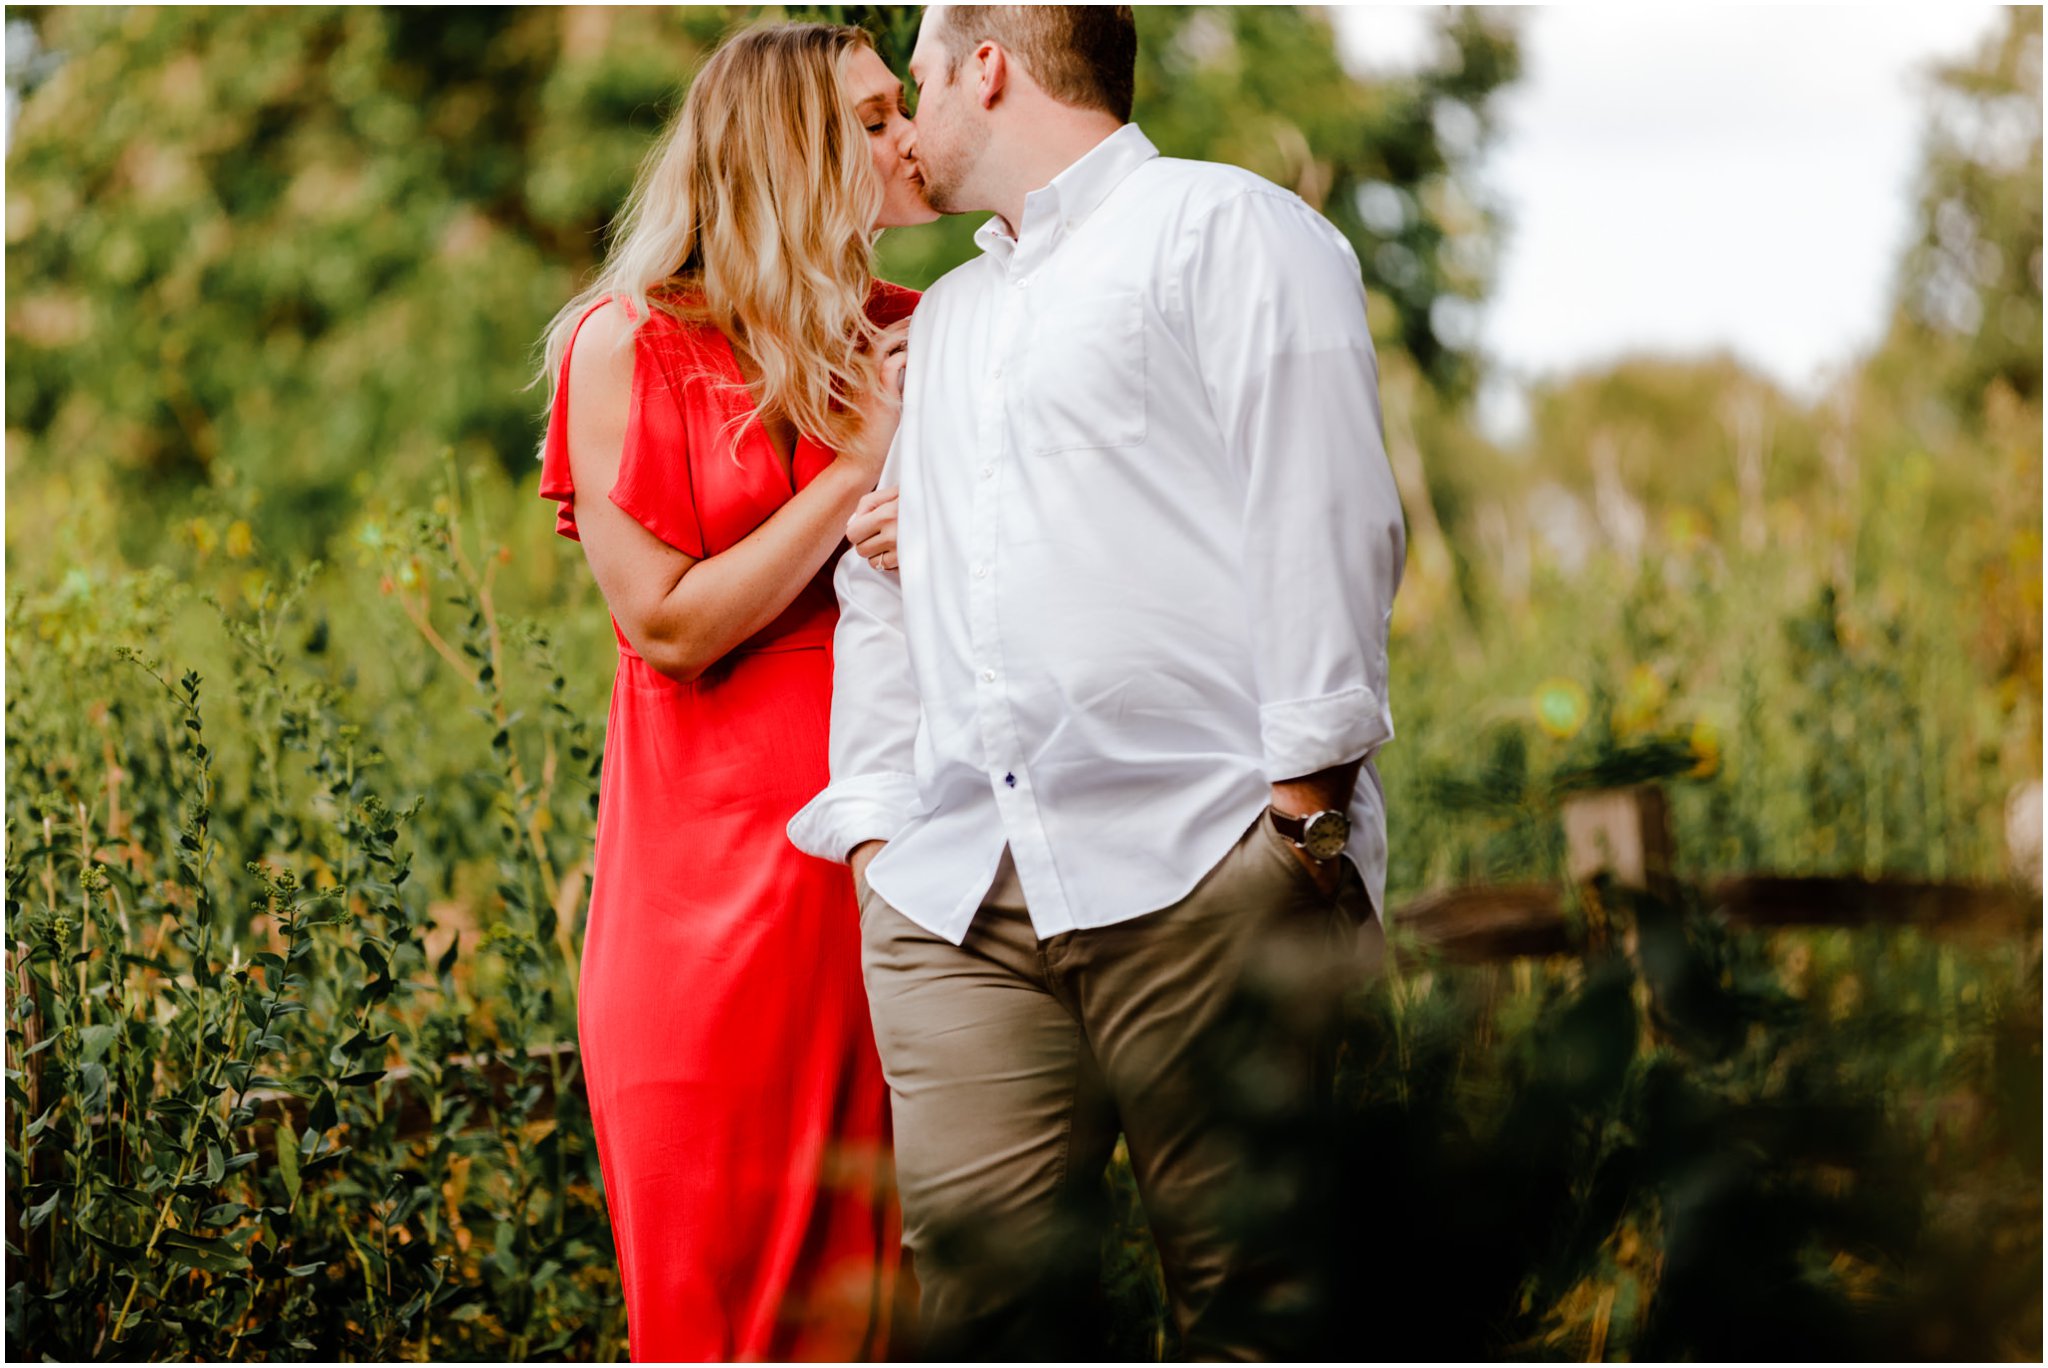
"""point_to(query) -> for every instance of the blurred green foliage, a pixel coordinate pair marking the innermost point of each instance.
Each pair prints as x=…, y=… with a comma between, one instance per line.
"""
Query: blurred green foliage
x=274, y=280
x=290, y=254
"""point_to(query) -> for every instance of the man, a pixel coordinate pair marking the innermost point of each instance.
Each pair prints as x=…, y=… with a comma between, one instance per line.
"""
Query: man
x=1110, y=726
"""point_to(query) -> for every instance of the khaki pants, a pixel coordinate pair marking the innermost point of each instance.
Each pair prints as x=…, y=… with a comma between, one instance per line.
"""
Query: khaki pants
x=1014, y=1062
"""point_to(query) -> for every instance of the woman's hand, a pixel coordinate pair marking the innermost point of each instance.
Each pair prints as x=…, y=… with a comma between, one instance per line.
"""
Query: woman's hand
x=882, y=406
x=872, y=528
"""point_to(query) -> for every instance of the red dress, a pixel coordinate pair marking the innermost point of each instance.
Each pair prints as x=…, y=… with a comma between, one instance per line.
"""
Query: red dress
x=742, y=1120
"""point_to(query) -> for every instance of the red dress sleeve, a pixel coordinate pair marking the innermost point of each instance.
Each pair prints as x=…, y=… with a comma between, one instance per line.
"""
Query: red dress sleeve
x=890, y=303
x=654, y=485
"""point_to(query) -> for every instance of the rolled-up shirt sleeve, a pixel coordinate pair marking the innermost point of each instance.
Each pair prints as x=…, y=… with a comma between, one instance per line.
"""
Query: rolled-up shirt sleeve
x=1277, y=313
x=873, y=788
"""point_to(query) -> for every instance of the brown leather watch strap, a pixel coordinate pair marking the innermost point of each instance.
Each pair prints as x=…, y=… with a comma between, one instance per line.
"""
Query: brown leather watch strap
x=1293, y=828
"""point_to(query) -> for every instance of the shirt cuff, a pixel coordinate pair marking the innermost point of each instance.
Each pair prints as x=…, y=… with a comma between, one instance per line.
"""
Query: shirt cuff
x=1308, y=735
x=867, y=807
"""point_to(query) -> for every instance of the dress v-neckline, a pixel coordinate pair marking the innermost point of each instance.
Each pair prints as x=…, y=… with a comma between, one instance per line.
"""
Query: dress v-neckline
x=785, y=466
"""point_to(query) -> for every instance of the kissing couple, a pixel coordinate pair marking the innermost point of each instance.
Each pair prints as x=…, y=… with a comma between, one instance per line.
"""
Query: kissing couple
x=1088, y=708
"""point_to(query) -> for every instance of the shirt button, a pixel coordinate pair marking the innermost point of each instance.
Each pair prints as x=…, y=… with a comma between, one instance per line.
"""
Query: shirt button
x=988, y=676
x=988, y=472
x=981, y=572
x=1010, y=779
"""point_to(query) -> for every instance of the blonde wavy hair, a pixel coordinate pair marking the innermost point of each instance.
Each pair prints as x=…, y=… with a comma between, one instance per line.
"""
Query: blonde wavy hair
x=754, y=213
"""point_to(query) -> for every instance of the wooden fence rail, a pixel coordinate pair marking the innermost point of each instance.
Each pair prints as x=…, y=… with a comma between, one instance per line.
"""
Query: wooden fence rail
x=1490, y=923
x=1625, y=834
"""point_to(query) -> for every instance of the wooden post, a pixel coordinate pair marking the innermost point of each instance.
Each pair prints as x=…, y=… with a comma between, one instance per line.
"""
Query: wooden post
x=1624, y=835
x=2023, y=834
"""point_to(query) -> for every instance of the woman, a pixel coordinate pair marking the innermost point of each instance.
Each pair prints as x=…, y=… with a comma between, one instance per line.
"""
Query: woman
x=702, y=454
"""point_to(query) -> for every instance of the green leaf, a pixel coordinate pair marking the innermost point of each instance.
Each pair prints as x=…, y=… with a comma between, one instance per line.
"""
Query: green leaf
x=94, y=1040
x=330, y=1158
x=288, y=1157
x=112, y=1246
x=321, y=1116
x=227, y=1213
x=207, y=1254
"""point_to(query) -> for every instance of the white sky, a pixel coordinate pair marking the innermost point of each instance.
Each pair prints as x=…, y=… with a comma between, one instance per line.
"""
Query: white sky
x=1684, y=178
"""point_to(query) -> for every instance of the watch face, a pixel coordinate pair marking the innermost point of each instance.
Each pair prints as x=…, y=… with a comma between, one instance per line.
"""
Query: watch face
x=1325, y=835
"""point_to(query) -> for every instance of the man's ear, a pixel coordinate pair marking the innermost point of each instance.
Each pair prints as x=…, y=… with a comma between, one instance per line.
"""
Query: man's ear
x=994, y=66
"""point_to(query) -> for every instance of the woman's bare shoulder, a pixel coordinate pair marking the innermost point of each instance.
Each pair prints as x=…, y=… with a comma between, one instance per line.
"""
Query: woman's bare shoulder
x=604, y=328
x=614, y=329
x=601, y=363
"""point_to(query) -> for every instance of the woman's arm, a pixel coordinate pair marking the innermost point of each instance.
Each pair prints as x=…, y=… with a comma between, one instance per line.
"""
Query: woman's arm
x=681, y=613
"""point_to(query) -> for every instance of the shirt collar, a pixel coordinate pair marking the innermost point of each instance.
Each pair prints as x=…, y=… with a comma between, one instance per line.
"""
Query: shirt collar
x=1064, y=203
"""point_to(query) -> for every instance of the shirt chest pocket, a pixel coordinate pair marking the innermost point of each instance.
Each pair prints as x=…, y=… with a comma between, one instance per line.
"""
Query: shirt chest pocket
x=1085, y=377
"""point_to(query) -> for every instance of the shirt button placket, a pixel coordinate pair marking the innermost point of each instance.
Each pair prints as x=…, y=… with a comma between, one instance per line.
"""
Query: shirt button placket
x=985, y=524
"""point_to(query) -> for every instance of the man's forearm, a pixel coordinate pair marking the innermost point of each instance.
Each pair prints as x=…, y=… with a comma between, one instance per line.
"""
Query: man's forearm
x=1330, y=788
x=861, y=855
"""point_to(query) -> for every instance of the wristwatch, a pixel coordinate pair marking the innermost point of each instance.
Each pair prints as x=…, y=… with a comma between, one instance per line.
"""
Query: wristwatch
x=1322, y=834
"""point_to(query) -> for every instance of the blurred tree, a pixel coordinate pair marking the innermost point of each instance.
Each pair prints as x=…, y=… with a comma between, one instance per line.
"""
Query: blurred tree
x=1709, y=436
x=298, y=251
x=287, y=255
x=1971, y=284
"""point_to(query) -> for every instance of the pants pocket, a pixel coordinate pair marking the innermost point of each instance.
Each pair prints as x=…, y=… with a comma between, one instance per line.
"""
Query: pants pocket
x=863, y=896
x=1283, y=850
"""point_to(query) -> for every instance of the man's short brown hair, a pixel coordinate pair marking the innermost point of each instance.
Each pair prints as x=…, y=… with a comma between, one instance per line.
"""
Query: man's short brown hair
x=1084, y=55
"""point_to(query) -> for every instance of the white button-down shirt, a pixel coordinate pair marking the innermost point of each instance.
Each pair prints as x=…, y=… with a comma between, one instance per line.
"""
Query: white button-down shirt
x=1149, y=543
